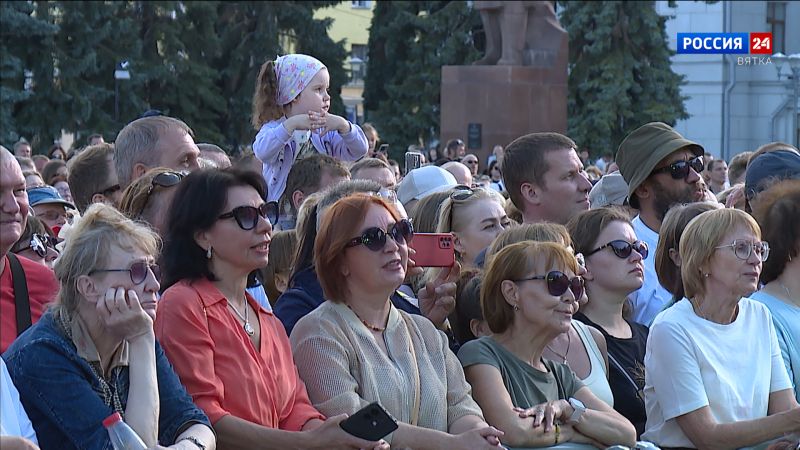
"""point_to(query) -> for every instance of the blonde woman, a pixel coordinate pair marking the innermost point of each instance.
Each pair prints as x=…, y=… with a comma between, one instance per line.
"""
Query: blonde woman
x=714, y=375
x=475, y=216
x=95, y=352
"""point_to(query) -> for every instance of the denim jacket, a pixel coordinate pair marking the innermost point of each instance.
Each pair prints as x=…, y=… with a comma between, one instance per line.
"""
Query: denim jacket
x=64, y=398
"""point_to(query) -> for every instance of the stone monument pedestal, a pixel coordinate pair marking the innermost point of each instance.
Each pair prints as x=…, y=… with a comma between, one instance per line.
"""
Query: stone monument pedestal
x=507, y=102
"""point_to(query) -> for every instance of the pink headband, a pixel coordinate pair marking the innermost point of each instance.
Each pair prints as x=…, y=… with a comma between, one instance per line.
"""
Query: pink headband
x=294, y=72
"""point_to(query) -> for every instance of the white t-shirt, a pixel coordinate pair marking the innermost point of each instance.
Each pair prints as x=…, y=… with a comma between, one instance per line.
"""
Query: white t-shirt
x=13, y=419
x=651, y=298
x=692, y=362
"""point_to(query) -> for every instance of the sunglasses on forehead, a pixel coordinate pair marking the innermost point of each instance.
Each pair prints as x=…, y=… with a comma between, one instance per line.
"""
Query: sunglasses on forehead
x=138, y=271
x=375, y=239
x=623, y=249
x=247, y=216
x=164, y=179
x=679, y=170
x=558, y=282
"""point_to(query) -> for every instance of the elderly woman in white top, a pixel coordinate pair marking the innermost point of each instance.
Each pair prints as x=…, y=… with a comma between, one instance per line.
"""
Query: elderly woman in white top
x=357, y=348
x=714, y=376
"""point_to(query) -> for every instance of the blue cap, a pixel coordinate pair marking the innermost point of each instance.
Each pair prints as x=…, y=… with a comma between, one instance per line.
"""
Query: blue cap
x=44, y=195
x=769, y=168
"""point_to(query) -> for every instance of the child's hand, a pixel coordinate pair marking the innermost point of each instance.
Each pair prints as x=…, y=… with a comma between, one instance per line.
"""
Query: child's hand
x=324, y=122
x=303, y=122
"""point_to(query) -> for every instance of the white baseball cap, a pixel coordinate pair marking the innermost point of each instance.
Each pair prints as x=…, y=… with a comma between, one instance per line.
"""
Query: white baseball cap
x=423, y=181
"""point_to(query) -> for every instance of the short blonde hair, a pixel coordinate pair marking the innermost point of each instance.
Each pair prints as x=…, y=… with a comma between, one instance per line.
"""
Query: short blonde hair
x=88, y=247
x=512, y=263
x=699, y=239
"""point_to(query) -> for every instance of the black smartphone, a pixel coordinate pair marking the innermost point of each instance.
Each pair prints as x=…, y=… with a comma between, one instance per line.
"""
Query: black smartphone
x=413, y=161
x=384, y=148
x=371, y=423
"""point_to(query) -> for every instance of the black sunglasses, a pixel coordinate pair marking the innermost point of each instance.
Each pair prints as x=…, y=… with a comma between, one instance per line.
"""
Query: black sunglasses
x=247, y=216
x=623, y=248
x=164, y=179
x=138, y=271
x=375, y=239
x=679, y=170
x=558, y=282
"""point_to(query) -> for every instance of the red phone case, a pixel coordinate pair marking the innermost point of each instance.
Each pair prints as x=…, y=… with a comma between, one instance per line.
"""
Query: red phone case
x=433, y=249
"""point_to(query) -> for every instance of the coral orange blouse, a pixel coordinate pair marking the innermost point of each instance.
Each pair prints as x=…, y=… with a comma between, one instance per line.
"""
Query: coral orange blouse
x=221, y=368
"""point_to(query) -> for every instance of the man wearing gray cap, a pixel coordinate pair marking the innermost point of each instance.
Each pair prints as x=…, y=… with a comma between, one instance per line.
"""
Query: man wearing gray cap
x=662, y=169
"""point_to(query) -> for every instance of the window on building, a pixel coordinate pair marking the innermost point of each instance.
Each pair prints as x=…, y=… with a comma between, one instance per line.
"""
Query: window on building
x=776, y=19
x=360, y=4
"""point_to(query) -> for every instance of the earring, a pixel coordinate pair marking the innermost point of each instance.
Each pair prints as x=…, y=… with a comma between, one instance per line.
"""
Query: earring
x=706, y=275
x=516, y=307
x=208, y=252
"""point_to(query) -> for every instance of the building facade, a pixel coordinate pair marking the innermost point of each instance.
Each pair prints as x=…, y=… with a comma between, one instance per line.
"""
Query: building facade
x=350, y=23
x=736, y=105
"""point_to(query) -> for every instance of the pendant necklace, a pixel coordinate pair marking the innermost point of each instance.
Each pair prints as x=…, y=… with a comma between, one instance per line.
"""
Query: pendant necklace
x=247, y=327
x=788, y=294
x=564, y=356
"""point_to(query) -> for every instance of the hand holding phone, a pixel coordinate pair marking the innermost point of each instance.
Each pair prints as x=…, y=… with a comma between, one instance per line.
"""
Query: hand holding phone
x=371, y=423
x=413, y=161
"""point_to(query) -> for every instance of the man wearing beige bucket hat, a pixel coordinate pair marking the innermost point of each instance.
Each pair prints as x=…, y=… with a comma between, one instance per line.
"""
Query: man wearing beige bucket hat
x=662, y=169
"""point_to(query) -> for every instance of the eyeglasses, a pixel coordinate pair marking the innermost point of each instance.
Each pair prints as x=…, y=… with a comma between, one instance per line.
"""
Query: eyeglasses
x=679, y=170
x=110, y=190
x=138, y=271
x=53, y=216
x=558, y=282
x=375, y=239
x=247, y=216
x=743, y=249
x=164, y=179
x=623, y=249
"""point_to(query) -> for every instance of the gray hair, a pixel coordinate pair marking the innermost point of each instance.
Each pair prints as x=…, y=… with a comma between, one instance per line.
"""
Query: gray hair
x=341, y=190
x=136, y=144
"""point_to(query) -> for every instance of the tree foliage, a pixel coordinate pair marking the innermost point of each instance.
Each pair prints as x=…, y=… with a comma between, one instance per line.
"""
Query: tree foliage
x=620, y=73
x=194, y=60
x=409, y=43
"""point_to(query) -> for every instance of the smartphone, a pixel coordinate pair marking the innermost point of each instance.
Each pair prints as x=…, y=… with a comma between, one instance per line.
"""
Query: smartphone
x=371, y=423
x=413, y=161
x=384, y=148
x=433, y=249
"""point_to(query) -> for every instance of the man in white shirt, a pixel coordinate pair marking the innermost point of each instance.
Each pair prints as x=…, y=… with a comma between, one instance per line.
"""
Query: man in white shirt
x=662, y=169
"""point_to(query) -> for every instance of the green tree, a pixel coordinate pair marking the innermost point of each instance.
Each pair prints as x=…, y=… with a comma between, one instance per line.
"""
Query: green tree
x=409, y=43
x=620, y=76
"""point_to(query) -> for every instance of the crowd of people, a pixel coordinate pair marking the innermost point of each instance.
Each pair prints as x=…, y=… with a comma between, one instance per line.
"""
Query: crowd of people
x=628, y=302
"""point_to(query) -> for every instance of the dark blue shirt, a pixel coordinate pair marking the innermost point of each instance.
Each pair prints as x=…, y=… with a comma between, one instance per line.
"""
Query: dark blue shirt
x=306, y=295
x=63, y=396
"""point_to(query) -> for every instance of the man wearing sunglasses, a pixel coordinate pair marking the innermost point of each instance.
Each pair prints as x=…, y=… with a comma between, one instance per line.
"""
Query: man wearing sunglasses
x=18, y=309
x=662, y=169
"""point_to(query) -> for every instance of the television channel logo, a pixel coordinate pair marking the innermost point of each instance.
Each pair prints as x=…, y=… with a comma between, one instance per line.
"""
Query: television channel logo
x=725, y=43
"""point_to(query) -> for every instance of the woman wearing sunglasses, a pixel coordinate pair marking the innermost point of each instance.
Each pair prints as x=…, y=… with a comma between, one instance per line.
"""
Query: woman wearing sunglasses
x=232, y=355
x=37, y=243
x=357, y=348
x=614, y=268
x=715, y=376
x=475, y=216
x=94, y=353
x=149, y=197
x=529, y=295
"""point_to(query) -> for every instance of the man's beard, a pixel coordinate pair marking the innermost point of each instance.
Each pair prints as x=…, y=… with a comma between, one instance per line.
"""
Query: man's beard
x=664, y=199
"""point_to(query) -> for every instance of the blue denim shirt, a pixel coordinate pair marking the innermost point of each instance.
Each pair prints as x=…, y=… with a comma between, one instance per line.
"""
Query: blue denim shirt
x=63, y=397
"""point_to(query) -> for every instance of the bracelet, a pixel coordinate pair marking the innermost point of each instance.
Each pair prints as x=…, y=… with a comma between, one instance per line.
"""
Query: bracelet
x=197, y=442
x=558, y=433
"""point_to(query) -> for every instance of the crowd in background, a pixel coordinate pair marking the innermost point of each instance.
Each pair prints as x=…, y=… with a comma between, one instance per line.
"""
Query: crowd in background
x=649, y=298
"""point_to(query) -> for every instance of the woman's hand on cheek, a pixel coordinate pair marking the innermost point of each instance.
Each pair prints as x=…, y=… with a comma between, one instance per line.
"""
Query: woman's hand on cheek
x=122, y=314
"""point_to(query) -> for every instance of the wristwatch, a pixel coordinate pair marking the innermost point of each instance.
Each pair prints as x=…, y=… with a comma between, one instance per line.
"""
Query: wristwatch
x=578, y=408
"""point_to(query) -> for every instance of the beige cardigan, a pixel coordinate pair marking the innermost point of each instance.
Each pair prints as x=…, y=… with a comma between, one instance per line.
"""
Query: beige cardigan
x=344, y=368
